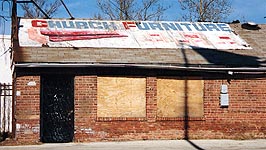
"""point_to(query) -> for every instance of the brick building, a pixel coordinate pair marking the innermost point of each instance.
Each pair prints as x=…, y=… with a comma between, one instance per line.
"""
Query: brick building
x=110, y=81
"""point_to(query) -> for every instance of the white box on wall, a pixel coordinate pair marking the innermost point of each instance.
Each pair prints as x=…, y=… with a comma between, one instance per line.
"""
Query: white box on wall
x=224, y=100
x=224, y=89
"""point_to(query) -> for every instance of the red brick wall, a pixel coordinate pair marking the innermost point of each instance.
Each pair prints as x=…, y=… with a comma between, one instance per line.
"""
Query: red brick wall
x=246, y=114
x=85, y=107
x=243, y=119
x=27, y=108
x=151, y=99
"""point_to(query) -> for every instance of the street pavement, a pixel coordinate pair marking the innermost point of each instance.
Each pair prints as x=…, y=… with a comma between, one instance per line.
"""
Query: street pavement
x=259, y=144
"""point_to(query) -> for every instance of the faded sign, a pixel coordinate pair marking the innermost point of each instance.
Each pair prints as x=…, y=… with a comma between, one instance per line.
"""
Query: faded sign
x=127, y=34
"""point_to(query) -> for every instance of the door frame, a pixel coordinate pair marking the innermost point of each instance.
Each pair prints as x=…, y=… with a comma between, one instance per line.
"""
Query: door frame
x=46, y=77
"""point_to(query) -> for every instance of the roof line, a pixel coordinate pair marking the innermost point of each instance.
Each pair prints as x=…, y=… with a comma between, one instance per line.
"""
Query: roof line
x=141, y=66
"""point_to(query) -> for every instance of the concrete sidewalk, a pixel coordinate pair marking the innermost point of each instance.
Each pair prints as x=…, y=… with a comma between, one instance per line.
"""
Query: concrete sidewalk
x=152, y=145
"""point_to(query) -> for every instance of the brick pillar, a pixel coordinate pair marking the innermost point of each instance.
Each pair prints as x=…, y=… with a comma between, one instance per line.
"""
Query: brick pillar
x=151, y=98
x=27, y=108
x=85, y=107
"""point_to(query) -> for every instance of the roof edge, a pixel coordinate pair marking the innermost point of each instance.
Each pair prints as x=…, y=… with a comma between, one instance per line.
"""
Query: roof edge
x=143, y=66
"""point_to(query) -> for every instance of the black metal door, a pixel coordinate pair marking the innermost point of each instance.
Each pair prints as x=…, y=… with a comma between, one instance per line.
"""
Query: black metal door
x=57, y=108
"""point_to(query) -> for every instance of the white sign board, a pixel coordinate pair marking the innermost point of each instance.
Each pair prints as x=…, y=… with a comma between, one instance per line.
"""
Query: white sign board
x=127, y=34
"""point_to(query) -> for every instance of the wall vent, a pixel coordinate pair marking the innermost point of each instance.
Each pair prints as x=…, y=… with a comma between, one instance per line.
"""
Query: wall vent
x=250, y=26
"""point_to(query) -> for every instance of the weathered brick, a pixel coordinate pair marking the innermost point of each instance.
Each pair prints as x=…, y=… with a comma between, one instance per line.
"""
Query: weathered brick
x=243, y=119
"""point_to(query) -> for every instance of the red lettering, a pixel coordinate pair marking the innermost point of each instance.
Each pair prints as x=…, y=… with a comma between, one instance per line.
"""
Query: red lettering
x=192, y=36
x=39, y=23
x=127, y=25
x=224, y=37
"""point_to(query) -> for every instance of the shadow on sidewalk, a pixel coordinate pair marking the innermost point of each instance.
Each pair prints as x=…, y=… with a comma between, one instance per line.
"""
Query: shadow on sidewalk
x=195, y=145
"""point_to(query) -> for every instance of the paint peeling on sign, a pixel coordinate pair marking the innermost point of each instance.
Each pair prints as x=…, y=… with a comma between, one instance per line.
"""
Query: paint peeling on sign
x=128, y=34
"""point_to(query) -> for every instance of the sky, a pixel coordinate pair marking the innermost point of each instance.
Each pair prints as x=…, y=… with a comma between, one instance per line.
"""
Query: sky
x=243, y=10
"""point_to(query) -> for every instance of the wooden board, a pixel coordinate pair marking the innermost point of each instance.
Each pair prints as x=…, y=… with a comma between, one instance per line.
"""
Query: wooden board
x=121, y=97
x=174, y=96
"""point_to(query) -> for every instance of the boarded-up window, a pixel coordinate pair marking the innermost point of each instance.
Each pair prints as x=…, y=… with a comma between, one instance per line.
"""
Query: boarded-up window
x=177, y=98
x=121, y=97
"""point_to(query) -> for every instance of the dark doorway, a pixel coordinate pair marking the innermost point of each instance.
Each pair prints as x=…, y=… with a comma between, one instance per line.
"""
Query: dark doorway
x=57, y=108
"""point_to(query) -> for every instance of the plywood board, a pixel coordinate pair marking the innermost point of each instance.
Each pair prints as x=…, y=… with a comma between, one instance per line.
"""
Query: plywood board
x=176, y=98
x=121, y=97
